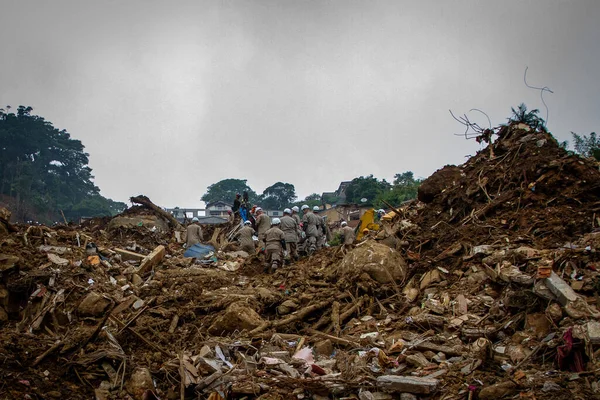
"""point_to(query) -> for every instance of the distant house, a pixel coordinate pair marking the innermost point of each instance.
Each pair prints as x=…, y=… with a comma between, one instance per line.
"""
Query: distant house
x=218, y=209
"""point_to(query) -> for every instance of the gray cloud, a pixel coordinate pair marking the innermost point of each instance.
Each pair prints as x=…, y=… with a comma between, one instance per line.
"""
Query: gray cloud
x=169, y=97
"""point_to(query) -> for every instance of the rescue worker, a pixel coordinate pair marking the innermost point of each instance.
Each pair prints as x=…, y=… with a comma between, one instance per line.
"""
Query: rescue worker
x=295, y=211
x=193, y=234
x=289, y=226
x=348, y=237
x=245, y=237
x=235, y=209
x=275, y=243
x=263, y=223
x=310, y=225
x=321, y=230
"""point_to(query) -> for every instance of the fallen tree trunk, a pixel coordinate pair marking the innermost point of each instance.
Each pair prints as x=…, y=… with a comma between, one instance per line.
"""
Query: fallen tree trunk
x=145, y=201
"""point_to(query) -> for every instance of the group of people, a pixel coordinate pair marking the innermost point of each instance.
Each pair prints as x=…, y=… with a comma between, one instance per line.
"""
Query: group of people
x=281, y=239
x=299, y=230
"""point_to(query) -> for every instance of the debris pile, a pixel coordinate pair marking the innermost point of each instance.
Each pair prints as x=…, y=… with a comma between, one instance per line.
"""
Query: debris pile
x=486, y=288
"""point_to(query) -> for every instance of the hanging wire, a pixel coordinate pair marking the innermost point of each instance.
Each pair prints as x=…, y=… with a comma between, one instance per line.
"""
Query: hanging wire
x=541, y=89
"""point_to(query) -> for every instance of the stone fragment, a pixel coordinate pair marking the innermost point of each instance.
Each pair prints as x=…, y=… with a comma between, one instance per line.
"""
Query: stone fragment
x=563, y=292
x=324, y=348
x=430, y=277
x=139, y=382
x=237, y=317
x=407, y=384
x=497, y=391
x=136, y=280
x=554, y=312
x=461, y=305
x=418, y=360
x=593, y=331
x=93, y=305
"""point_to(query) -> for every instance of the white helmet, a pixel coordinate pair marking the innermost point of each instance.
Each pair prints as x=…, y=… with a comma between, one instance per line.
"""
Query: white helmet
x=247, y=223
x=305, y=207
x=295, y=209
x=344, y=223
x=258, y=209
x=287, y=211
x=316, y=208
x=275, y=221
x=381, y=211
x=195, y=219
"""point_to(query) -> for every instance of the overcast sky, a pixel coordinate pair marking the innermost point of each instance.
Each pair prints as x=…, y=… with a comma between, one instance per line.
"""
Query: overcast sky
x=170, y=97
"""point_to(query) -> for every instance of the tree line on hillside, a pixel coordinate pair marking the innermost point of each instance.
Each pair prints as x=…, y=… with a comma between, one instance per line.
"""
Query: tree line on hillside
x=366, y=190
x=44, y=173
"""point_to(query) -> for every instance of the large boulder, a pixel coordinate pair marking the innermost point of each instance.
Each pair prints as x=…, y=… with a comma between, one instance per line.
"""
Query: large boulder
x=238, y=316
x=382, y=263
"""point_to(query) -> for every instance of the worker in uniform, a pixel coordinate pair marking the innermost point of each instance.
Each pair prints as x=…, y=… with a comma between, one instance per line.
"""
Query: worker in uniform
x=263, y=223
x=310, y=225
x=289, y=226
x=244, y=235
x=235, y=209
x=274, y=245
x=321, y=229
x=348, y=237
x=193, y=234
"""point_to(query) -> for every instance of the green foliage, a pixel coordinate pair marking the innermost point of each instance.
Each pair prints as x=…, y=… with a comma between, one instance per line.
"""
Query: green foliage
x=278, y=196
x=330, y=199
x=226, y=189
x=336, y=240
x=587, y=146
x=404, y=188
x=531, y=118
x=45, y=170
x=367, y=187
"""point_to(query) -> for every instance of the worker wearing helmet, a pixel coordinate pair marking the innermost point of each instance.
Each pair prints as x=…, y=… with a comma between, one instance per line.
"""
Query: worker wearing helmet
x=244, y=235
x=289, y=226
x=310, y=224
x=295, y=211
x=263, y=223
x=274, y=245
x=348, y=237
x=321, y=229
x=193, y=233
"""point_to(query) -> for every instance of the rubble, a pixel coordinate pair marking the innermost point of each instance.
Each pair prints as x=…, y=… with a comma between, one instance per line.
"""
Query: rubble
x=478, y=302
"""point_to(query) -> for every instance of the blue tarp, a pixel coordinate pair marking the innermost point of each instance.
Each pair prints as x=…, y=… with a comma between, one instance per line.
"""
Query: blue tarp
x=198, y=251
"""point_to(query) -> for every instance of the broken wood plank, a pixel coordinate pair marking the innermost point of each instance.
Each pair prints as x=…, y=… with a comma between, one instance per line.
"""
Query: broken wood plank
x=127, y=255
x=152, y=259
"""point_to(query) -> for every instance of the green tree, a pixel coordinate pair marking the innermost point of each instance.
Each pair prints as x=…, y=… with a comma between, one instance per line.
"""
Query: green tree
x=226, y=190
x=278, y=196
x=367, y=187
x=587, y=146
x=404, y=188
x=43, y=169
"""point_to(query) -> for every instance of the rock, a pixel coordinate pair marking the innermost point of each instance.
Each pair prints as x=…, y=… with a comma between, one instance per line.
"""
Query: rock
x=411, y=294
x=563, y=292
x=137, y=280
x=3, y=316
x=497, y=391
x=593, y=331
x=380, y=262
x=408, y=396
x=8, y=262
x=93, y=305
x=461, y=305
x=139, y=382
x=323, y=348
x=287, y=307
x=418, y=360
x=550, y=386
x=539, y=324
x=237, y=317
x=554, y=312
x=430, y=277
x=54, y=259
x=152, y=259
x=134, y=222
x=407, y=384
